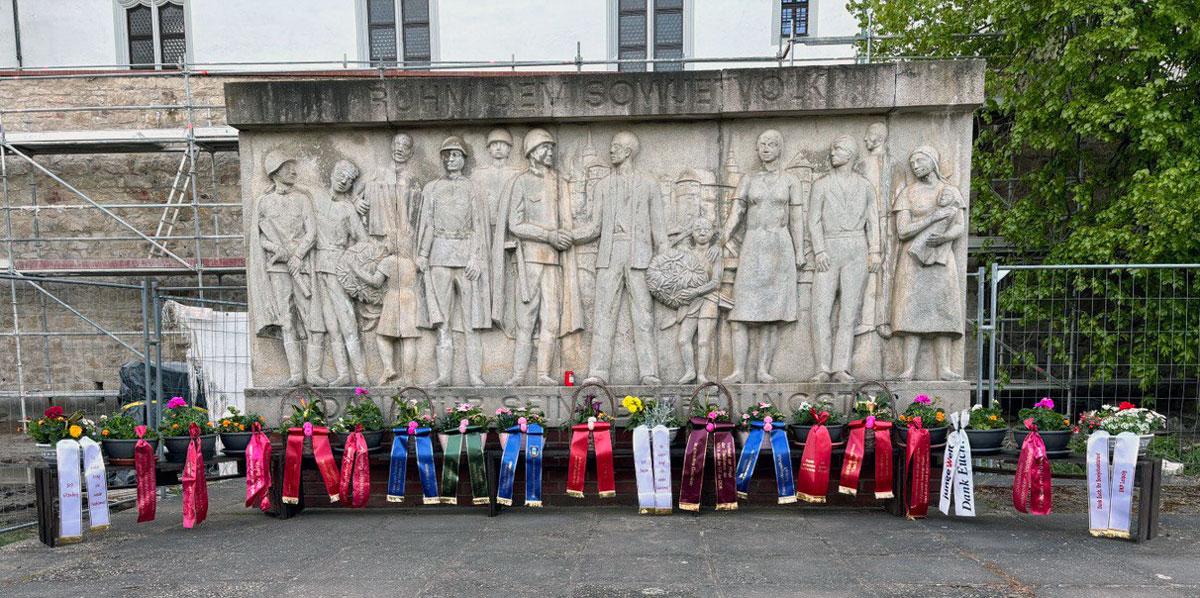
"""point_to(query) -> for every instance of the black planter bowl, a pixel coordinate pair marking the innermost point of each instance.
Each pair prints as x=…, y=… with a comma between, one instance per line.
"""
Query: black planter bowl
x=1056, y=442
x=235, y=441
x=799, y=432
x=177, y=447
x=936, y=435
x=123, y=448
x=374, y=438
x=986, y=441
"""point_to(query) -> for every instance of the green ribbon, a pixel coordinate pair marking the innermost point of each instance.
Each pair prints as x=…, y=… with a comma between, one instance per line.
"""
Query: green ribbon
x=475, y=465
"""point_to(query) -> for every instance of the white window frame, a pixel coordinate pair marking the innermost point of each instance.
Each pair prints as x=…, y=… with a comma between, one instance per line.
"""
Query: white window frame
x=121, y=27
x=364, y=41
x=614, y=40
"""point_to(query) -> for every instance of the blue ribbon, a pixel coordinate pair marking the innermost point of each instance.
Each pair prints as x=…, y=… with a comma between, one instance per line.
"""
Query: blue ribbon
x=784, y=481
x=533, y=465
x=397, y=473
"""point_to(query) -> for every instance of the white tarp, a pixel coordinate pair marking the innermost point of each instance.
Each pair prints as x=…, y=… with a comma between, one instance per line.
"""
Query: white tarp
x=218, y=354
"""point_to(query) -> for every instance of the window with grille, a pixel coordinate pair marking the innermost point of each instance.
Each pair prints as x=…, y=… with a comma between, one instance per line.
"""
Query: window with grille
x=631, y=34
x=156, y=32
x=415, y=15
x=793, y=18
x=413, y=27
x=381, y=31
x=668, y=34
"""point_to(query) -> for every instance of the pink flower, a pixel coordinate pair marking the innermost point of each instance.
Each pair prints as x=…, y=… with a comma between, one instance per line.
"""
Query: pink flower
x=745, y=416
x=712, y=415
x=139, y=430
x=359, y=391
x=176, y=403
x=462, y=407
x=763, y=405
x=1045, y=403
x=754, y=413
x=502, y=410
x=922, y=399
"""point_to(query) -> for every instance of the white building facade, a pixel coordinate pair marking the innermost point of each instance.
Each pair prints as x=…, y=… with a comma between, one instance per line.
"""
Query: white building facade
x=324, y=34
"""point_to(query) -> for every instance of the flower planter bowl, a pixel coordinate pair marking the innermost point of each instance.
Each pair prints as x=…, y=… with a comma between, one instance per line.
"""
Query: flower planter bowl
x=1056, y=441
x=936, y=435
x=799, y=432
x=235, y=441
x=48, y=452
x=1143, y=441
x=986, y=440
x=374, y=439
x=122, y=449
x=177, y=447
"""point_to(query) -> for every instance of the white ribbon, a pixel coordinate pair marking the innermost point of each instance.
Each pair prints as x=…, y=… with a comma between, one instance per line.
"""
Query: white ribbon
x=1099, y=489
x=1110, y=494
x=97, y=484
x=661, y=438
x=643, y=465
x=958, y=475
x=1124, y=461
x=70, y=508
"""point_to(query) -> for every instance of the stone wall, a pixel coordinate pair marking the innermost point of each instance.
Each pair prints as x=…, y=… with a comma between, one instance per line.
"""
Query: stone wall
x=686, y=145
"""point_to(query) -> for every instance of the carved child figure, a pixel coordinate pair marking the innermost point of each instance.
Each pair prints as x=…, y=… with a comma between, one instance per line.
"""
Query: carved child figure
x=393, y=328
x=698, y=315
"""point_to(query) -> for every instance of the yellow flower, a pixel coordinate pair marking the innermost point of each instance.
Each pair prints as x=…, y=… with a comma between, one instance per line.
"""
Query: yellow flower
x=632, y=404
x=940, y=416
x=224, y=422
x=104, y=432
x=242, y=427
x=75, y=431
x=993, y=417
x=1066, y=422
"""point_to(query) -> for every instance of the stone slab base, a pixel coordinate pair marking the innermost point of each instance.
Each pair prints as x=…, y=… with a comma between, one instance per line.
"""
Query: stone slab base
x=275, y=403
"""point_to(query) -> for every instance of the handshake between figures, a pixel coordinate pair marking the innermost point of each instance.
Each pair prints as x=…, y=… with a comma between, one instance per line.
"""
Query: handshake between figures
x=561, y=238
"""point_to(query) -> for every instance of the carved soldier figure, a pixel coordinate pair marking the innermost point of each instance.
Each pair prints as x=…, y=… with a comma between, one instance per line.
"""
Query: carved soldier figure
x=538, y=208
x=452, y=251
x=877, y=167
x=287, y=232
x=843, y=228
x=490, y=176
x=770, y=205
x=338, y=227
x=631, y=229
x=391, y=204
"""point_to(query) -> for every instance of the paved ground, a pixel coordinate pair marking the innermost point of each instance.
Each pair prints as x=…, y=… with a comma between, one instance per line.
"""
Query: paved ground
x=604, y=552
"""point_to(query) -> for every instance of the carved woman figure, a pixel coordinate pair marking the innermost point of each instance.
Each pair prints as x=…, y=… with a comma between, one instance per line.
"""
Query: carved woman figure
x=397, y=323
x=769, y=204
x=927, y=301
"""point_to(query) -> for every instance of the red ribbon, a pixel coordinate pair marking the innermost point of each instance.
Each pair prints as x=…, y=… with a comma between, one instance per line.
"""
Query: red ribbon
x=577, y=465
x=916, y=460
x=295, y=455
x=1032, y=491
x=144, y=464
x=723, y=461
x=356, y=472
x=195, y=486
x=812, y=480
x=258, y=469
x=856, y=450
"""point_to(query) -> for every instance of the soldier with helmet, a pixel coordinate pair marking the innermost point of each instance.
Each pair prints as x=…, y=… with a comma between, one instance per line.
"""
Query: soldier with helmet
x=287, y=233
x=452, y=252
x=535, y=213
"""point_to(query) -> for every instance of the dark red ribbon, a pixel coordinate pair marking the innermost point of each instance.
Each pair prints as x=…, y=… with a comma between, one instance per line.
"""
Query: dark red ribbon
x=856, y=450
x=1032, y=489
x=258, y=469
x=812, y=480
x=144, y=465
x=577, y=465
x=916, y=459
x=724, y=461
x=294, y=456
x=195, y=486
x=356, y=472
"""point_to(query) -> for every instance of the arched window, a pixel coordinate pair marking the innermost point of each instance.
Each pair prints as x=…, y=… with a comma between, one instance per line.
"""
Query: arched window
x=155, y=32
x=388, y=38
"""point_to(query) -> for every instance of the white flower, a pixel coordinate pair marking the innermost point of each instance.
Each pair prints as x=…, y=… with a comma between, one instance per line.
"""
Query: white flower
x=976, y=407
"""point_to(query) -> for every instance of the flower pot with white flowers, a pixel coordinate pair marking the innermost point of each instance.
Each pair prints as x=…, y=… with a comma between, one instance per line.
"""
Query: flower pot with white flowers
x=1124, y=417
x=808, y=415
x=986, y=430
x=760, y=411
x=118, y=436
x=236, y=428
x=508, y=417
x=652, y=413
x=362, y=412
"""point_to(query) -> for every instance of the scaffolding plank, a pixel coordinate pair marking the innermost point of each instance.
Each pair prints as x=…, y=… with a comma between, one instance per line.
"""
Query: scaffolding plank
x=117, y=141
x=101, y=266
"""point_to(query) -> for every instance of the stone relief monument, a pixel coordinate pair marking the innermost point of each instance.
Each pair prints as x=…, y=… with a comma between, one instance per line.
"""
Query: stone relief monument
x=806, y=252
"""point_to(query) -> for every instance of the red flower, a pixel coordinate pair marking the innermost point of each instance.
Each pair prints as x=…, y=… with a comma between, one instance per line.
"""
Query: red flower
x=53, y=412
x=1126, y=405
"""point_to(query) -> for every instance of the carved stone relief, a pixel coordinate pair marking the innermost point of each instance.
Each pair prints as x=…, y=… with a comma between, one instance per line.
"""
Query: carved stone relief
x=681, y=273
